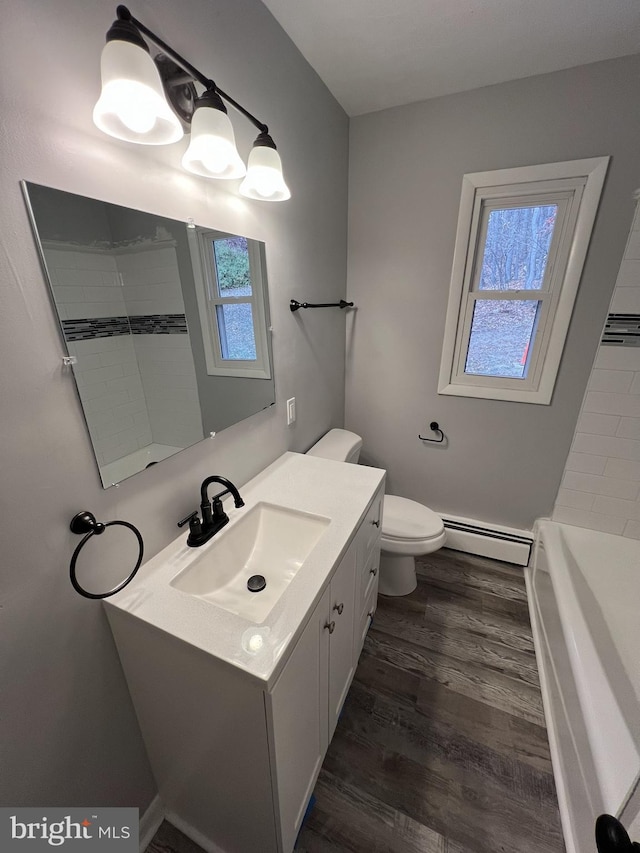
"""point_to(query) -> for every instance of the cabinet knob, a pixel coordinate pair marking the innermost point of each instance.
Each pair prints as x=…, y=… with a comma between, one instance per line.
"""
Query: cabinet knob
x=376, y=523
x=331, y=627
x=339, y=608
x=373, y=572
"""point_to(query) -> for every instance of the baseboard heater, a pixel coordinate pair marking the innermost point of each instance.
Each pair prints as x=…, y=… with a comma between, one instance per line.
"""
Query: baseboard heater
x=499, y=543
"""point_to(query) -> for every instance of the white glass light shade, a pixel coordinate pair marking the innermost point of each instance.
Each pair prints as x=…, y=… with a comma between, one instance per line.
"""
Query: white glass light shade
x=132, y=105
x=212, y=151
x=264, y=179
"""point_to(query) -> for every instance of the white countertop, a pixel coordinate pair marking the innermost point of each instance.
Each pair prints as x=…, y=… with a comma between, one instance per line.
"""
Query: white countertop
x=339, y=491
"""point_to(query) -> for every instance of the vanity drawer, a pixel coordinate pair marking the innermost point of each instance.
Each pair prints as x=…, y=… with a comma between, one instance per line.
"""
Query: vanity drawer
x=363, y=623
x=368, y=578
x=371, y=530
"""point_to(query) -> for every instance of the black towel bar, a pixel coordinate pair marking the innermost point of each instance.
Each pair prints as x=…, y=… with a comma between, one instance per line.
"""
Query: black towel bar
x=294, y=305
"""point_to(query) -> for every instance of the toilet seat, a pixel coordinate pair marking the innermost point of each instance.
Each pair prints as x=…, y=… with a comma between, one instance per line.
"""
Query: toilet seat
x=409, y=528
x=406, y=519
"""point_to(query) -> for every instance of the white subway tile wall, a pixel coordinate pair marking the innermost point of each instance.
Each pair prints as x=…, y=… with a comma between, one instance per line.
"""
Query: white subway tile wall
x=152, y=286
x=171, y=391
x=600, y=487
x=85, y=282
x=124, y=415
x=151, y=280
x=111, y=391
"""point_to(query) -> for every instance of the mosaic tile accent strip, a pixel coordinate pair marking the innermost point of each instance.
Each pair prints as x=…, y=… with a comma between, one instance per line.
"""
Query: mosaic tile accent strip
x=622, y=330
x=159, y=324
x=98, y=327
x=111, y=327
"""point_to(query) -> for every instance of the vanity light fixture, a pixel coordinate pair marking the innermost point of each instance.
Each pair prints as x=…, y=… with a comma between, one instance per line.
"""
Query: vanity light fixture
x=212, y=151
x=154, y=102
x=264, y=179
x=132, y=105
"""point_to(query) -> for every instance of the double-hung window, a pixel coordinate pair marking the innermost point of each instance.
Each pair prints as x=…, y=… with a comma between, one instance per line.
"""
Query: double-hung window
x=232, y=302
x=521, y=242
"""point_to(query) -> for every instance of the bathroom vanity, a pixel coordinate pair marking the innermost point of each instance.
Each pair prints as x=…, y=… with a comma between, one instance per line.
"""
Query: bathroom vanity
x=238, y=697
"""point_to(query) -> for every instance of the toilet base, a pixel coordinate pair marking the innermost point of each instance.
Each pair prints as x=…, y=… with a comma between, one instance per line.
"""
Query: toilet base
x=397, y=574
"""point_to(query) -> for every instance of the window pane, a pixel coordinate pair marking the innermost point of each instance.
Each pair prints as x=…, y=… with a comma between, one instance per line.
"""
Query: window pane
x=232, y=266
x=517, y=247
x=235, y=325
x=502, y=333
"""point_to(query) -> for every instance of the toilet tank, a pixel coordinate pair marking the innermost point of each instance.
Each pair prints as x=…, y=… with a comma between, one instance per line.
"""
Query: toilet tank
x=338, y=444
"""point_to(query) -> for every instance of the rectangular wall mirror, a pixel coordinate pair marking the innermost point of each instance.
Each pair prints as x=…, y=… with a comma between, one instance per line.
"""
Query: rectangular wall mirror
x=168, y=323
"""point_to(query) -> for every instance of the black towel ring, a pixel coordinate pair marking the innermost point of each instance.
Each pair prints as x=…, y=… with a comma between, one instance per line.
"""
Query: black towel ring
x=85, y=522
x=435, y=427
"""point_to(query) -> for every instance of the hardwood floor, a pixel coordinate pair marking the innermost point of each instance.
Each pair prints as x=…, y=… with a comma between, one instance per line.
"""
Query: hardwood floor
x=442, y=746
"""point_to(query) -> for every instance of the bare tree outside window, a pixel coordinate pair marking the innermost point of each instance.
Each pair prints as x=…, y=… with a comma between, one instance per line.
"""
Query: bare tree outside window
x=516, y=250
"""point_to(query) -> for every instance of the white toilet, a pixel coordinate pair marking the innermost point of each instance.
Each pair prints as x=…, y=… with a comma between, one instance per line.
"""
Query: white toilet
x=409, y=529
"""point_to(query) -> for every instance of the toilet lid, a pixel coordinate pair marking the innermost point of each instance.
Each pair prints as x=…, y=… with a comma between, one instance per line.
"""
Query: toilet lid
x=406, y=519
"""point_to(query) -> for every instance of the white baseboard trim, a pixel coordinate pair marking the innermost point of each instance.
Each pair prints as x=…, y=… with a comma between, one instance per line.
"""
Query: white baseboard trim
x=193, y=834
x=150, y=822
x=488, y=540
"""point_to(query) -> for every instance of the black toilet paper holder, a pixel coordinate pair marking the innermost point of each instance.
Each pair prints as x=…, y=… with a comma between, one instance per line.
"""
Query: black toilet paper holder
x=434, y=426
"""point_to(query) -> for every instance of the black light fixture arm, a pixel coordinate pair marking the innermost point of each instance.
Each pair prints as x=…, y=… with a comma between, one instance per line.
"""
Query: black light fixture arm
x=124, y=14
x=261, y=127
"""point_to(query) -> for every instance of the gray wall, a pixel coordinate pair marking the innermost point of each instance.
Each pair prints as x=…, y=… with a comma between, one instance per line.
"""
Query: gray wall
x=69, y=218
x=69, y=736
x=504, y=460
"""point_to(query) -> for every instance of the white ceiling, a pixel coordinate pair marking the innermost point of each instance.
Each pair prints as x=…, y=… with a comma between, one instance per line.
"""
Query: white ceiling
x=374, y=54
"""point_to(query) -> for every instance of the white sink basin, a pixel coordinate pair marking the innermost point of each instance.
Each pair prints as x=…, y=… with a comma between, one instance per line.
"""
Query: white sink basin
x=268, y=540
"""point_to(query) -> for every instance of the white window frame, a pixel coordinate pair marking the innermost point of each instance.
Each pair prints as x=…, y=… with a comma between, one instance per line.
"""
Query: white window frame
x=576, y=187
x=200, y=240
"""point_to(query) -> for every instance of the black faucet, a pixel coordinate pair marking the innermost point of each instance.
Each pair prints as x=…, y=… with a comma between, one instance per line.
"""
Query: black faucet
x=214, y=517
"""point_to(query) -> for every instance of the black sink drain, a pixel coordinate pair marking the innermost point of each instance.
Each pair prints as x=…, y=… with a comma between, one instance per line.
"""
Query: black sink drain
x=256, y=583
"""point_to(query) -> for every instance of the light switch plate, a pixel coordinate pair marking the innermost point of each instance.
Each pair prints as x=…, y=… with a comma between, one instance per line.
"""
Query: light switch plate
x=291, y=411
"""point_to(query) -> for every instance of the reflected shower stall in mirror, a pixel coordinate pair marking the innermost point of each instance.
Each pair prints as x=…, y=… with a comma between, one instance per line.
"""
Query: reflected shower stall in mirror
x=167, y=324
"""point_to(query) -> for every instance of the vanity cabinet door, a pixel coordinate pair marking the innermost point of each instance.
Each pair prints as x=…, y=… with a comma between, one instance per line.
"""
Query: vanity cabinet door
x=297, y=709
x=304, y=706
x=341, y=617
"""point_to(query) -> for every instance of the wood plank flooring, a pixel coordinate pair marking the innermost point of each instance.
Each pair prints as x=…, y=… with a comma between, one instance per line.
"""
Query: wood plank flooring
x=442, y=746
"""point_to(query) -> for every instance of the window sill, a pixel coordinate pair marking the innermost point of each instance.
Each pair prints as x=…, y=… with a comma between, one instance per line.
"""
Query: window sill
x=541, y=396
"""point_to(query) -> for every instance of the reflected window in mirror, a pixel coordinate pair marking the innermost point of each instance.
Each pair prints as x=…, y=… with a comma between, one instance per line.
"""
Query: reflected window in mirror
x=231, y=299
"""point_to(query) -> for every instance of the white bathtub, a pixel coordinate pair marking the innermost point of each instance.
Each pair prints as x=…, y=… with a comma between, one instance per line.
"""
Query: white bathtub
x=584, y=594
